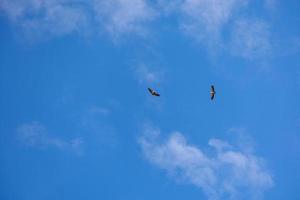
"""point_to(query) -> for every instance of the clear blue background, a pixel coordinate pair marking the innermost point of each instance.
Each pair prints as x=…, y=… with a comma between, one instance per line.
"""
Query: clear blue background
x=57, y=80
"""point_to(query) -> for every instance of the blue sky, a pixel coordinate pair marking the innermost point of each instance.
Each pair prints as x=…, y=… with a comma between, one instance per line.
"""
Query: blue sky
x=77, y=121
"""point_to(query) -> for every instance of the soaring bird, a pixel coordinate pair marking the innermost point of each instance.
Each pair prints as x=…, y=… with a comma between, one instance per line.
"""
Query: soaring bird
x=154, y=93
x=212, y=92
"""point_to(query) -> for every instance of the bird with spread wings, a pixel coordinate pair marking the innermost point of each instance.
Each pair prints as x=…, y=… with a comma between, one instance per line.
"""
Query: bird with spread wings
x=212, y=92
x=154, y=93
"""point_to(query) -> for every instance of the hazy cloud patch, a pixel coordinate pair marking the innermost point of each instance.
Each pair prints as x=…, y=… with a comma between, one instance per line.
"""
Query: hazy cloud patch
x=36, y=135
x=251, y=39
x=208, y=22
x=224, y=172
x=208, y=15
x=46, y=18
x=124, y=16
x=42, y=18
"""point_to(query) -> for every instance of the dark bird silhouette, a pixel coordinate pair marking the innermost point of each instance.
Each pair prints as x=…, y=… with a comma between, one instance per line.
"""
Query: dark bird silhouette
x=212, y=92
x=154, y=93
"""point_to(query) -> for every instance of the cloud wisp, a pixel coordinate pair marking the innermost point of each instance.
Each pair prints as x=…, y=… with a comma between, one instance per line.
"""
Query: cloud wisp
x=207, y=21
x=204, y=20
x=224, y=172
x=124, y=16
x=208, y=17
x=220, y=24
x=40, y=18
x=36, y=135
x=253, y=43
x=62, y=17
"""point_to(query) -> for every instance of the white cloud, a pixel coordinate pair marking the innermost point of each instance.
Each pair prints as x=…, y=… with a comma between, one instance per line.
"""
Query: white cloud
x=61, y=17
x=208, y=21
x=211, y=21
x=124, y=16
x=251, y=39
x=46, y=17
x=225, y=173
x=203, y=19
x=36, y=135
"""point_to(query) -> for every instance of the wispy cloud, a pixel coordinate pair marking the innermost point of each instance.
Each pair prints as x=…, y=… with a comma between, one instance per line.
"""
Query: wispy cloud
x=206, y=21
x=209, y=22
x=124, y=16
x=251, y=39
x=36, y=135
x=61, y=17
x=207, y=17
x=41, y=18
x=203, y=20
x=224, y=172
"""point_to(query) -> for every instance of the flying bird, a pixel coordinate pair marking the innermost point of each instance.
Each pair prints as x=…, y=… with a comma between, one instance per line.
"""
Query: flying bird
x=154, y=93
x=212, y=92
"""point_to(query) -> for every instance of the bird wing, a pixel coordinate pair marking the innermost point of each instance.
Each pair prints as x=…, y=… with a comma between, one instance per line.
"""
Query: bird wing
x=150, y=90
x=212, y=89
x=212, y=95
x=156, y=94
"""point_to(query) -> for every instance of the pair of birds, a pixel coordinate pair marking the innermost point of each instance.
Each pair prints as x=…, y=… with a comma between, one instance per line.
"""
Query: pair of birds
x=212, y=92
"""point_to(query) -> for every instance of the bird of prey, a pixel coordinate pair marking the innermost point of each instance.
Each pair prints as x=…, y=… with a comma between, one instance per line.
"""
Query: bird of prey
x=212, y=92
x=154, y=93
